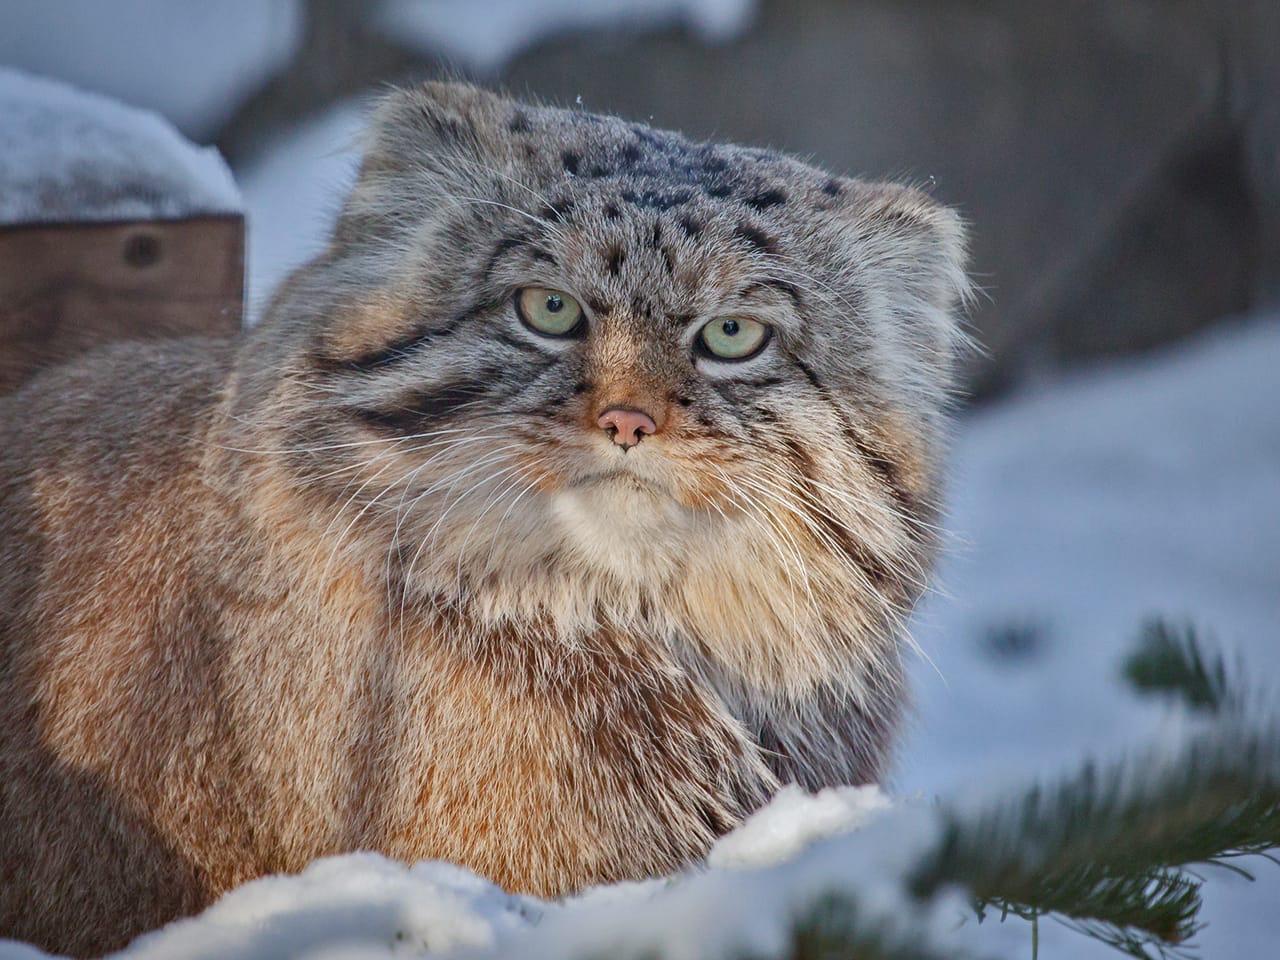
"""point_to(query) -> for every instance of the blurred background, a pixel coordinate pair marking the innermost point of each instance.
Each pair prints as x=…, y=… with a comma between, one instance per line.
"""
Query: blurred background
x=1118, y=454
x=1117, y=159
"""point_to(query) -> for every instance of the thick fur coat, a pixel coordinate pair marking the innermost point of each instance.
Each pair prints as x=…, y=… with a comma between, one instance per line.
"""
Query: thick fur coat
x=374, y=578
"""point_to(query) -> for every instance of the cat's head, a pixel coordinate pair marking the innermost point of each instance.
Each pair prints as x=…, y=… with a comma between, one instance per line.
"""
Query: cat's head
x=549, y=347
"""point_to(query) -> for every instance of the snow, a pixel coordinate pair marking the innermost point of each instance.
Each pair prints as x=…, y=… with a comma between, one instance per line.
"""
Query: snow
x=793, y=820
x=485, y=36
x=67, y=155
x=192, y=61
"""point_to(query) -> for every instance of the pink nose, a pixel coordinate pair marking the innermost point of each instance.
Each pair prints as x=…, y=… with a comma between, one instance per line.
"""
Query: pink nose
x=626, y=427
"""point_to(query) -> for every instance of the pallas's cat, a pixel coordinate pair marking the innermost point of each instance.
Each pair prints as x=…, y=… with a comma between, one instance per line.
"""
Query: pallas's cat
x=570, y=501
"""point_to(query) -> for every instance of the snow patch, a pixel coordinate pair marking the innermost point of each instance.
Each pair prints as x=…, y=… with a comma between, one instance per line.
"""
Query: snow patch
x=793, y=820
x=70, y=156
x=356, y=905
x=485, y=36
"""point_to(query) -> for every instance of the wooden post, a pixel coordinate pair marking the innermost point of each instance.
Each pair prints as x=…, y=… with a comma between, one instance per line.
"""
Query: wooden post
x=67, y=288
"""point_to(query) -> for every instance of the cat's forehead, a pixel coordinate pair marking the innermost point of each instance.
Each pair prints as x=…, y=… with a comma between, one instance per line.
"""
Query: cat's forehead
x=659, y=170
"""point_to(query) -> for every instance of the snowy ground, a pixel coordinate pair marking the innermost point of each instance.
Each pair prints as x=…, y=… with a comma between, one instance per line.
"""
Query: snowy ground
x=1149, y=486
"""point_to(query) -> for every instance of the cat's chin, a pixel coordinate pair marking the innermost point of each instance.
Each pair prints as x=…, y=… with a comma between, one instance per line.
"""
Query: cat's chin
x=625, y=524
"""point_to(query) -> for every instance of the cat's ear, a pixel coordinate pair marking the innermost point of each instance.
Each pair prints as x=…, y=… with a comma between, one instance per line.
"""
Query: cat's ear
x=423, y=143
x=910, y=254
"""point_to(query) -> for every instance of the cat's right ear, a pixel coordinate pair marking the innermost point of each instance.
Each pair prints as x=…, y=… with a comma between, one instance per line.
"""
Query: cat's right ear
x=423, y=144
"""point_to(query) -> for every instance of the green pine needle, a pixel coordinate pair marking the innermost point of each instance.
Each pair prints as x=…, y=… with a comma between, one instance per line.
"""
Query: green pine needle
x=1169, y=661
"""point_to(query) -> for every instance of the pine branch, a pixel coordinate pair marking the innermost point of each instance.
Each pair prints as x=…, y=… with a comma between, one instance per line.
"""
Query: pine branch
x=1169, y=660
x=1101, y=849
x=833, y=928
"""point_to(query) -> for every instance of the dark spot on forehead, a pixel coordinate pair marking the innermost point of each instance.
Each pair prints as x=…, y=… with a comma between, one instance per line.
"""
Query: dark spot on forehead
x=519, y=122
x=571, y=161
x=656, y=241
x=690, y=226
x=766, y=198
x=756, y=238
x=614, y=258
x=559, y=209
x=719, y=190
x=832, y=187
x=656, y=199
x=631, y=154
x=611, y=211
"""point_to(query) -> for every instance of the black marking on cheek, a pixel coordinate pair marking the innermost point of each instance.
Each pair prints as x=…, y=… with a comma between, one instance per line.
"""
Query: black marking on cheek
x=888, y=472
x=766, y=199
x=656, y=240
x=862, y=556
x=430, y=406
x=582, y=386
x=756, y=238
x=719, y=190
x=519, y=122
x=516, y=343
x=392, y=353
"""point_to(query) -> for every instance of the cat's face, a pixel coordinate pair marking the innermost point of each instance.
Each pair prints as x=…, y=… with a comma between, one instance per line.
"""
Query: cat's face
x=547, y=340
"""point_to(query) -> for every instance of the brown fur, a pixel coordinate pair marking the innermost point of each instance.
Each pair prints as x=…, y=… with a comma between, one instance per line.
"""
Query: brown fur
x=217, y=661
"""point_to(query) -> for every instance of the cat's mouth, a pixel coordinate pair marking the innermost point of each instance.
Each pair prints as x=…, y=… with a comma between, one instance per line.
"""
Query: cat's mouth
x=623, y=478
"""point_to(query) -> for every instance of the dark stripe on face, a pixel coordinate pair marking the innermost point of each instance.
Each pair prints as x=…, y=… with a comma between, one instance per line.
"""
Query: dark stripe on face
x=392, y=353
x=404, y=348
x=878, y=572
x=505, y=246
x=879, y=464
x=429, y=407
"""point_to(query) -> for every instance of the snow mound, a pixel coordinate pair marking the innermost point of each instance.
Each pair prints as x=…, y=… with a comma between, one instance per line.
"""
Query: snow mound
x=337, y=906
x=70, y=156
x=793, y=820
x=364, y=907
x=484, y=36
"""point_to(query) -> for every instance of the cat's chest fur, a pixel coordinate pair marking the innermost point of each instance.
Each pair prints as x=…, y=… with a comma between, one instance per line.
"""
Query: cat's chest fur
x=541, y=763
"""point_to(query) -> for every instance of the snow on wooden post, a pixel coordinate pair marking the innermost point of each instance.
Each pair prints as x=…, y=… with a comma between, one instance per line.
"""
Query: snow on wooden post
x=112, y=227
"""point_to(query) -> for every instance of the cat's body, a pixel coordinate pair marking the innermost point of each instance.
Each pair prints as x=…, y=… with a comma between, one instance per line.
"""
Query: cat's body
x=375, y=579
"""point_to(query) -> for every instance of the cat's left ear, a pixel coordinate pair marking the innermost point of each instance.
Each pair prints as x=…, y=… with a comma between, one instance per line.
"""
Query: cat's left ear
x=422, y=144
x=909, y=254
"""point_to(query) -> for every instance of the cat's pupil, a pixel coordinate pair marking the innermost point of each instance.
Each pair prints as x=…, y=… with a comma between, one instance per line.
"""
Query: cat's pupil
x=554, y=304
x=730, y=327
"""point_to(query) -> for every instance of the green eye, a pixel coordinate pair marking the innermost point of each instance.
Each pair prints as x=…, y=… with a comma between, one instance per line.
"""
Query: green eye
x=734, y=338
x=552, y=313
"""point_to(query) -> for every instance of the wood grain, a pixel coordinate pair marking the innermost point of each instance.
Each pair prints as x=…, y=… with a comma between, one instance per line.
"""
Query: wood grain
x=67, y=288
